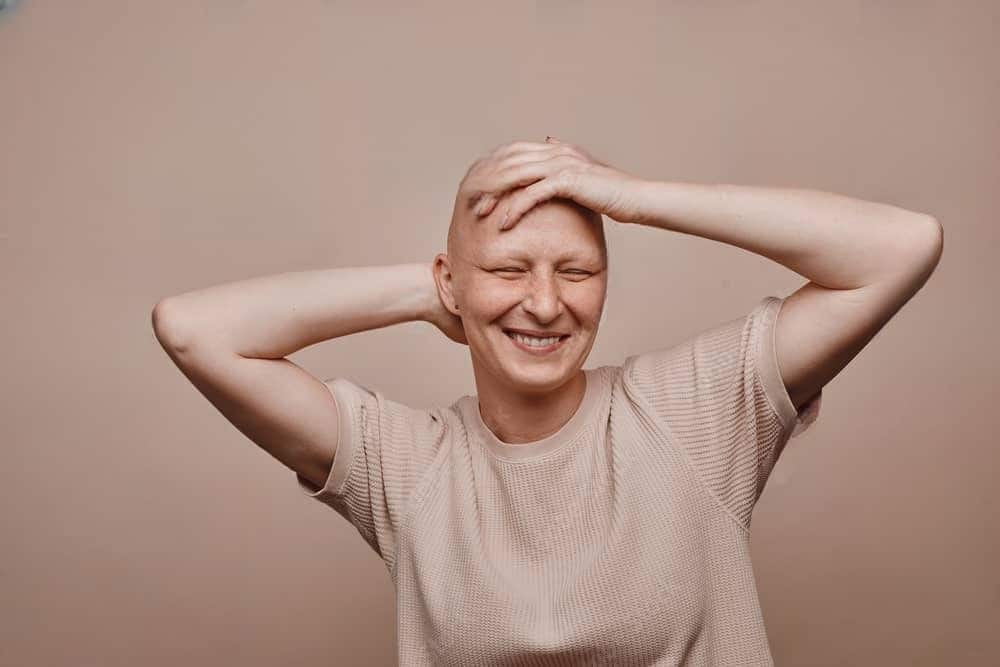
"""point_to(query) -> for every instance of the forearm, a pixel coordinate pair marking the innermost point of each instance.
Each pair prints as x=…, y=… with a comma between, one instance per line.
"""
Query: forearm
x=273, y=316
x=833, y=240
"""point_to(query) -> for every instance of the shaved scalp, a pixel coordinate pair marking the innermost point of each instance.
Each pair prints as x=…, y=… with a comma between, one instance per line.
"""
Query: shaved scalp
x=466, y=227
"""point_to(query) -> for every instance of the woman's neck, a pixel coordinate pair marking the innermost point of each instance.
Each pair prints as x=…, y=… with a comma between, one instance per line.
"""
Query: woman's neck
x=519, y=418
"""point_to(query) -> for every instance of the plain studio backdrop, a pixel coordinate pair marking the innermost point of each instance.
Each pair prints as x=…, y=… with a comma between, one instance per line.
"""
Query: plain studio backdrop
x=148, y=149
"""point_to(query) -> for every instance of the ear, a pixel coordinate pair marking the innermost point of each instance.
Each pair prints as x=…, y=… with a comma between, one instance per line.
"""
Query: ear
x=443, y=278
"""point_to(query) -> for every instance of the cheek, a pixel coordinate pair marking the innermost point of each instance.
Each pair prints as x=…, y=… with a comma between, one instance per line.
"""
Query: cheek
x=486, y=300
x=589, y=302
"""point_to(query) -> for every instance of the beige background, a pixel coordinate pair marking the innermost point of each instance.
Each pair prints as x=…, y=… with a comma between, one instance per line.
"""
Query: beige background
x=152, y=148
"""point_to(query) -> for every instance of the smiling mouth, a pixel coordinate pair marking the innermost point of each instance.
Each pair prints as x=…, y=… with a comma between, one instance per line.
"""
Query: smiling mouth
x=510, y=334
x=537, y=348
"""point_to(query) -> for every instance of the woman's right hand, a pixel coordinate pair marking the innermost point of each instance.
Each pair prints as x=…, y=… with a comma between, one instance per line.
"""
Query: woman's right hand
x=448, y=323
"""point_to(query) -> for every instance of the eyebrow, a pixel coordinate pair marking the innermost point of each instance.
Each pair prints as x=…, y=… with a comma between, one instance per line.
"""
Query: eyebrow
x=568, y=256
x=596, y=263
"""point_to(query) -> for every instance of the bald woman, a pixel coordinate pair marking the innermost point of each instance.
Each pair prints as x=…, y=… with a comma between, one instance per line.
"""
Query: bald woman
x=562, y=515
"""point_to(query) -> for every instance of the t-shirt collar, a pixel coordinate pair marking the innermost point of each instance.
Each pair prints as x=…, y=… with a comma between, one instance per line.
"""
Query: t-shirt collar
x=530, y=450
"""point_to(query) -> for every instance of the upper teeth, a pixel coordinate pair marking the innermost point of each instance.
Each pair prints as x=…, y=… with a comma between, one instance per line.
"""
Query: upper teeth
x=533, y=340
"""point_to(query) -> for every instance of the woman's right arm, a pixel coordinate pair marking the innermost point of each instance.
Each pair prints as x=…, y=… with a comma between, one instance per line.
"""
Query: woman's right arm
x=230, y=341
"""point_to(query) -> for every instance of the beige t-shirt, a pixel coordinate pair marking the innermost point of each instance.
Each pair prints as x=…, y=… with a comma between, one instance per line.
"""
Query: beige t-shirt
x=622, y=539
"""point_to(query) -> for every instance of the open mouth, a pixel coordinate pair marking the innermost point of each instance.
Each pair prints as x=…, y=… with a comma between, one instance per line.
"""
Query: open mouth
x=537, y=345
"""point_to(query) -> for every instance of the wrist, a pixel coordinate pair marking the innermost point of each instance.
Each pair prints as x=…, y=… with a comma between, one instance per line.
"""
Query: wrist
x=643, y=194
x=428, y=299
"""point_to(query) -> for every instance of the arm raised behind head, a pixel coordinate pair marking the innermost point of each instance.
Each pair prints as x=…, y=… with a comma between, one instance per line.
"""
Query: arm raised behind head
x=230, y=341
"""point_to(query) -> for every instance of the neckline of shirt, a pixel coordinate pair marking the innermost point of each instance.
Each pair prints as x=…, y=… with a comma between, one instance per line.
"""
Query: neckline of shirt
x=537, y=448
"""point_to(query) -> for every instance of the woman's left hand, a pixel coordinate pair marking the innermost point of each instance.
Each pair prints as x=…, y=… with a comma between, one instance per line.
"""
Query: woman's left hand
x=537, y=172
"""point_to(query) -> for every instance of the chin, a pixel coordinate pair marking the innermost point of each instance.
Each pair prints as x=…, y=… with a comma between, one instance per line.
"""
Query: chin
x=542, y=377
x=539, y=387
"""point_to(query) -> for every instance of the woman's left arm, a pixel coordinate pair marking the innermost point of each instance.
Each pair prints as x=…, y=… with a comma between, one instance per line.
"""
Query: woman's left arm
x=864, y=260
x=835, y=241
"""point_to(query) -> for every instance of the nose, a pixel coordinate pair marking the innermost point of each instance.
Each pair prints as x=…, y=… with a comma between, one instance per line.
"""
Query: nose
x=543, y=298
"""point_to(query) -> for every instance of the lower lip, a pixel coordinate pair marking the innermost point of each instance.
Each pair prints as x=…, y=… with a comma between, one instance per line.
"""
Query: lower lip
x=539, y=351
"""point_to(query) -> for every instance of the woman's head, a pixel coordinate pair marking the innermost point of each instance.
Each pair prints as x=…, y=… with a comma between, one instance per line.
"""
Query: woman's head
x=549, y=273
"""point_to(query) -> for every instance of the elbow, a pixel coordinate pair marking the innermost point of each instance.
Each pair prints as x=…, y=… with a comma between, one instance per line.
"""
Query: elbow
x=933, y=232
x=921, y=247
x=168, y=325
x=919, y=239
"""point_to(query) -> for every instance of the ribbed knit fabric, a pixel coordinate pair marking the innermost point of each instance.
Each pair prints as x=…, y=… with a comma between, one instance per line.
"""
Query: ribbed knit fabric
x=621, y=539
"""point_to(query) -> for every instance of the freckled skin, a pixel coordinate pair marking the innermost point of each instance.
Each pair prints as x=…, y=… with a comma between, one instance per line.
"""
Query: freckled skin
x=559, y=252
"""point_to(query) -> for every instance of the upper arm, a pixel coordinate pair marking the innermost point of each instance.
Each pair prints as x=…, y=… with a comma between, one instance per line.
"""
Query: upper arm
x=284, y=409
x=819, y=330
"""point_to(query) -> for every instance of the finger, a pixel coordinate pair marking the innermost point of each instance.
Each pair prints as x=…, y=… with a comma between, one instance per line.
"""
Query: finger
x=477, y=181
x=521, y=157
x=518, y=159
x=486, y=204
x=507, y=175
x=513, y=147
x=574, y=149
x=491, y=157
x=524, y=200
x=518, y=174
x=493, y=175
x=526, y=173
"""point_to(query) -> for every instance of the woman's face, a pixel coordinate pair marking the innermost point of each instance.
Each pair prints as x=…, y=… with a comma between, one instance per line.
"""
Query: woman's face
x=547, y=274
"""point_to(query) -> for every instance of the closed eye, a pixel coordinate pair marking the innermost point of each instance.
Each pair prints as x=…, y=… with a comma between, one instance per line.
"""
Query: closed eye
x=512, y=269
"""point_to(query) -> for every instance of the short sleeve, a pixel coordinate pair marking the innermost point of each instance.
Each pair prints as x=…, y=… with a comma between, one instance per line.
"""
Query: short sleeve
x=719, y=396
x=385, y=449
